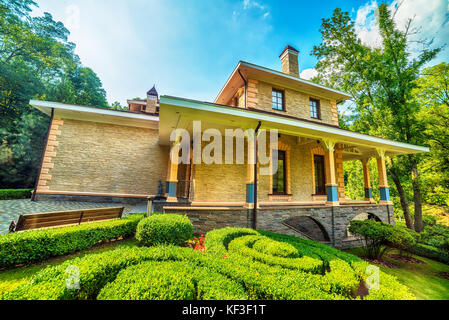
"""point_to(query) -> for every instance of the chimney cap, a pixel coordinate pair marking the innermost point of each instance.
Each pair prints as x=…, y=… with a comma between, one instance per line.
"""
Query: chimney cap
x=153, y=92
x=287, y=48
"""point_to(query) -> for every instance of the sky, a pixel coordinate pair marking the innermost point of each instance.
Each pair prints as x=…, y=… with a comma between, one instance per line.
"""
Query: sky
x=188, y=48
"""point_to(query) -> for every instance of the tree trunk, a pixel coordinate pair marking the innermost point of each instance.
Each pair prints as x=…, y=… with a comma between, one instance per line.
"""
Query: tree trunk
x=402, y=197
x=416, y=194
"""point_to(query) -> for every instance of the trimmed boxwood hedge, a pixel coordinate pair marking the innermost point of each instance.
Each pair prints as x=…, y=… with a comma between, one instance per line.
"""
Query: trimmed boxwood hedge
x=164, y=229
x=10, y=194
x=229, y=269
x=430, y=252
x=37, y=245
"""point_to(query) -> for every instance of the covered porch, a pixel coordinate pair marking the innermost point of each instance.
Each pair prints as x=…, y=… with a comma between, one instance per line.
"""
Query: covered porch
x=309, y=182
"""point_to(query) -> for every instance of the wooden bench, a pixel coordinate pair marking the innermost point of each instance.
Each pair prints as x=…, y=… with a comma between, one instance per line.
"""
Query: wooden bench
x=64, y=218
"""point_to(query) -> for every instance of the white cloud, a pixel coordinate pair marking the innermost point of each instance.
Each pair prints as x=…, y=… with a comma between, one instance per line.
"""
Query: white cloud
x=308, y=74
x=250, y=4
x=430, y=18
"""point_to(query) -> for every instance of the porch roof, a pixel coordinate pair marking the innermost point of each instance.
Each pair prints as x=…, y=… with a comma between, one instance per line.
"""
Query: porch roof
x=178, y=112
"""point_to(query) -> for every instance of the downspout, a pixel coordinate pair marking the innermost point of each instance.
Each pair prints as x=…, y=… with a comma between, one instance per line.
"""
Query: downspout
x=33, y=196
x=246, y=85
x=255, y=176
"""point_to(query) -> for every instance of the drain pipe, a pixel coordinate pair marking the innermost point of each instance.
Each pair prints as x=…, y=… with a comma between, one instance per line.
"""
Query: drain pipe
x=33, y=196
x=246, y=85
x=255, y=176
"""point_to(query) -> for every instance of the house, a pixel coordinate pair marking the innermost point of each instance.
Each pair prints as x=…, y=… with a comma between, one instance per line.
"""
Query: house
x=102, y=154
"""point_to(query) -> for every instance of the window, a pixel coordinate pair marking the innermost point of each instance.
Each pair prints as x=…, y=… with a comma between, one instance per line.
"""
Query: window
x=318, y=161
x=279, y=178
x=277, y=99
x=314, y=108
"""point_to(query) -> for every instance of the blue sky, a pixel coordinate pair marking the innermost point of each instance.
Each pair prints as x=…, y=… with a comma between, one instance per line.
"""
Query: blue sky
x=188, y=48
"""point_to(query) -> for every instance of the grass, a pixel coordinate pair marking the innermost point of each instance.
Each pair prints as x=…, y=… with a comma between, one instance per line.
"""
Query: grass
x=10, y=279
x=423, y=279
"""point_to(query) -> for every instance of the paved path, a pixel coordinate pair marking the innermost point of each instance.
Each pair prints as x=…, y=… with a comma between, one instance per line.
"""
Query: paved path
x=12, y=209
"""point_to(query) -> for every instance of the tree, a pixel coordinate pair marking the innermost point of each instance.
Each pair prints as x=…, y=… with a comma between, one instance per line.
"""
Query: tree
x=381, y=81
x=36, y=61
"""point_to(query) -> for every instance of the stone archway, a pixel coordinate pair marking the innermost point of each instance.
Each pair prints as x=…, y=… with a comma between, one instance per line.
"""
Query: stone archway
x=308, y=227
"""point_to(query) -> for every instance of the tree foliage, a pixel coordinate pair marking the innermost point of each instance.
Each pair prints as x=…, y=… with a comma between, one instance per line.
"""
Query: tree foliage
x=36, y=61
x=381, y=81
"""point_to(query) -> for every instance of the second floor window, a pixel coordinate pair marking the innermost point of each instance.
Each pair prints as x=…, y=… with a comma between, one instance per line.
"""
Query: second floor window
x=314, y=108
x=277, y=99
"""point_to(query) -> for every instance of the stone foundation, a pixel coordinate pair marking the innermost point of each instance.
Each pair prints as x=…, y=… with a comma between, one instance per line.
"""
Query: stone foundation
x=334, y=221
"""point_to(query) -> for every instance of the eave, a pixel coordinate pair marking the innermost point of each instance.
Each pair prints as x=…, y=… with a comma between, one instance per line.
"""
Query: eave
x=178, y=112
x=274, y=77
x=96, y=114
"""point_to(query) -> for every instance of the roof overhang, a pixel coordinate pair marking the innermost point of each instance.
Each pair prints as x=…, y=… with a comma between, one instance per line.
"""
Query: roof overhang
x=179, y=113
x=96, y=114
x=249, y=70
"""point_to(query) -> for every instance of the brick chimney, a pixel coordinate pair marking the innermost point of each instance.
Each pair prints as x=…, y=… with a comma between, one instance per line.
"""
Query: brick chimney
x=152, y=101
x=289, y=60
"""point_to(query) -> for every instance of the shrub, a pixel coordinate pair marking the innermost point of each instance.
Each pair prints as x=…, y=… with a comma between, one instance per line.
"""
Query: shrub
x=38, y=245
x=275, y=248
x=379, y=237
x=9, y=194
x=430, y=252
x=164, y=229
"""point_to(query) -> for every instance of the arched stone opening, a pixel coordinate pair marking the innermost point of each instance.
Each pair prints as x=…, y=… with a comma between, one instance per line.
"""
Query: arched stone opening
x=308, y=227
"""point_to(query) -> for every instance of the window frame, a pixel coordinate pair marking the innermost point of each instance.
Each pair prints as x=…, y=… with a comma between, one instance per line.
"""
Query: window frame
x=284, y=169
x=315, y=178
x=282, y=92
x=318, y=108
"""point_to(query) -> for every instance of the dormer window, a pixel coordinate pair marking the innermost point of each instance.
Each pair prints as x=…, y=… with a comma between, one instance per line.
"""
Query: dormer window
x=277, y=99
x=314, y=108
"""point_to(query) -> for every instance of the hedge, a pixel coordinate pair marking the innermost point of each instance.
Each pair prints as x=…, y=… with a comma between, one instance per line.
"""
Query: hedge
x=38, y=245
x=231, y=268
x=164, y=229
x=9, y=194
x=430, y=252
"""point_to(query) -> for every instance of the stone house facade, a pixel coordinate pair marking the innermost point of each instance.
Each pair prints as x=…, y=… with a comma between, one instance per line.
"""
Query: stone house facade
x=102, y=154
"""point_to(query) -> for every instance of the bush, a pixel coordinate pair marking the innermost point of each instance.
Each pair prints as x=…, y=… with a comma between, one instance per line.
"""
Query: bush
x=38, y=245
x=379, y=237
x=164, y=229
x=233, y=269
x=9, y=194
x=275, y=248
x=430, y=252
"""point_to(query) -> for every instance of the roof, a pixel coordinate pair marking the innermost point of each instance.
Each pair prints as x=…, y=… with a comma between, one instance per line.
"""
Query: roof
x=152, y=92
x=173, y=107
x=288, y=47
x=275, y=77
x=96, y=114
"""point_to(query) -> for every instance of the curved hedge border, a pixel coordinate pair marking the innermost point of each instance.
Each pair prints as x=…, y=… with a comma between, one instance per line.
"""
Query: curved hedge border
x=38, y=245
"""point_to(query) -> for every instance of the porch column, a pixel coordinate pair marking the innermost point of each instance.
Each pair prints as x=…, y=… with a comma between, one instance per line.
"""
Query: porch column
x=331, y=181
x=383, y=181
x=366, y=178
x=250, y=174
x=172, y=174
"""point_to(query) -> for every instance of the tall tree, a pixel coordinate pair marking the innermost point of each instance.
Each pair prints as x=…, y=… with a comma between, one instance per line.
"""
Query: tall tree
x=36, y=61
x=381, y=81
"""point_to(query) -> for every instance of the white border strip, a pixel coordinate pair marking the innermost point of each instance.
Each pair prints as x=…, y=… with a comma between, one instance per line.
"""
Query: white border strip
x=92, y=110
x=203, y=106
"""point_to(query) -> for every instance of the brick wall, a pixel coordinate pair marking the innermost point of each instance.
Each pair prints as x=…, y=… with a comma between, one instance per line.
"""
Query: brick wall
x=296, y=103
x=102, y=158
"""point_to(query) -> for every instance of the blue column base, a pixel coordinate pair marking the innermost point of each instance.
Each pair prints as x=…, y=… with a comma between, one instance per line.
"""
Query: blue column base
x=368, y=193
x=385, y=194
x=171, y=189
x=250, y=193
x=332, y=195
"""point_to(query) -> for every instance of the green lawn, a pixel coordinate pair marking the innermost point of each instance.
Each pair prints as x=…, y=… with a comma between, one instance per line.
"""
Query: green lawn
x=9, y=279
x=423, y=279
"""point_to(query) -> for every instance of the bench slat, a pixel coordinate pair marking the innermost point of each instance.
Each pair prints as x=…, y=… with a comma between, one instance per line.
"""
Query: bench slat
x=70, y=217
